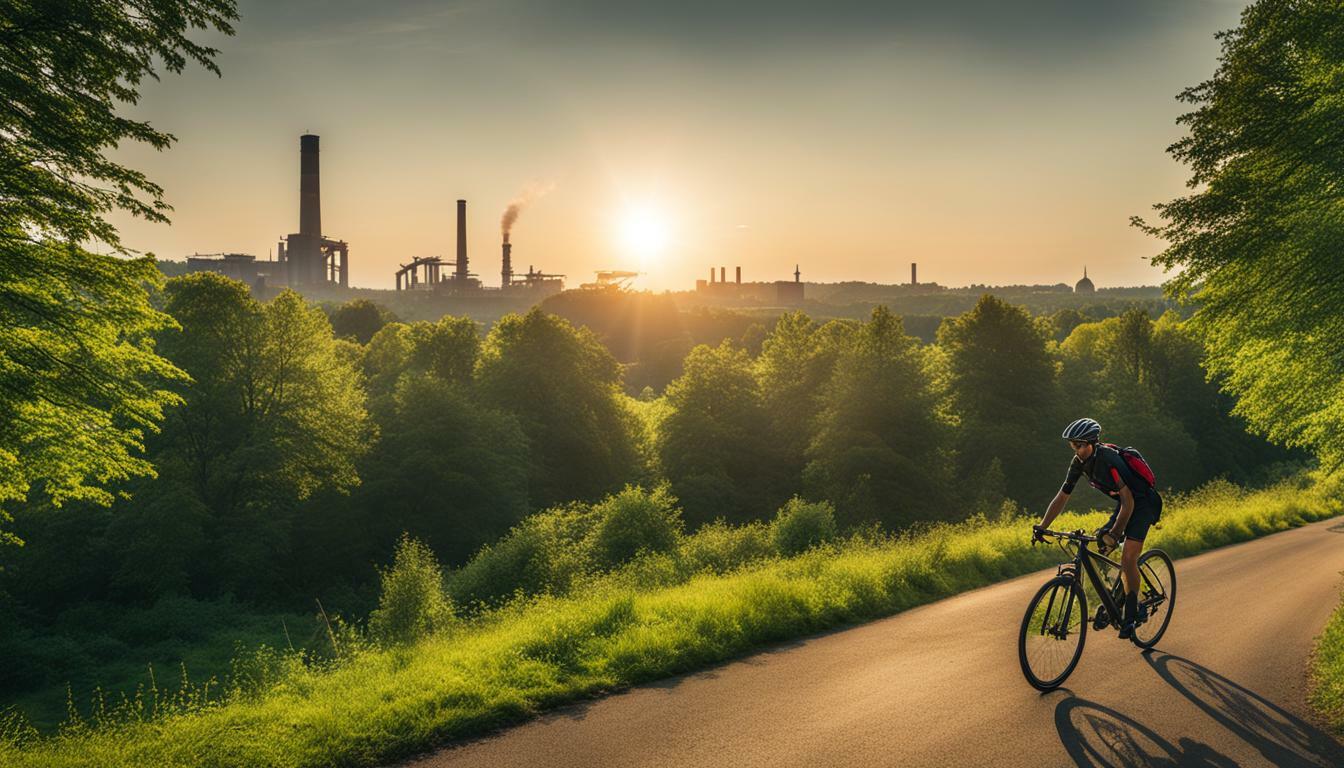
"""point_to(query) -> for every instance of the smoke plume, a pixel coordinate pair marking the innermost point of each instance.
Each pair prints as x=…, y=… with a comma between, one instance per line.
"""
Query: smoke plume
x=531, y=192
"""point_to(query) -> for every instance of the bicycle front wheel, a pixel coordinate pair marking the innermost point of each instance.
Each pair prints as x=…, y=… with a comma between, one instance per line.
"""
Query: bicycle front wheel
x=1157, y=597
x=1053, y=632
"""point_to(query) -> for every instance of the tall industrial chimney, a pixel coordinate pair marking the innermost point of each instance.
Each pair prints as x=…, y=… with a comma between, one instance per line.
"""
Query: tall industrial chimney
x=310, y=188
x=913, y=280
x=739, y=275
x=711, y=275
x=723, y=274
x=506, y=275
x=461, y=273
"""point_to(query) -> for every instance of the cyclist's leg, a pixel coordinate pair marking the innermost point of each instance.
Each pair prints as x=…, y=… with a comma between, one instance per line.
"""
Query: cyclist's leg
x=1136, y=530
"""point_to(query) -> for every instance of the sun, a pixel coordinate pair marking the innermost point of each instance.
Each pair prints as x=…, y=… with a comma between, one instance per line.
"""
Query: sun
x=643, y=232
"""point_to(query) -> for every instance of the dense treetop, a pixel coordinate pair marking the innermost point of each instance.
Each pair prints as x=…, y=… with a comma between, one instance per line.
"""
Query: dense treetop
x=1257, y=241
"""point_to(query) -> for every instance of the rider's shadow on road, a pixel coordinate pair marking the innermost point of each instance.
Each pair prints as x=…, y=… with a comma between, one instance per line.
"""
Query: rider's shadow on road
x=1100, y=737
x=1283, y=738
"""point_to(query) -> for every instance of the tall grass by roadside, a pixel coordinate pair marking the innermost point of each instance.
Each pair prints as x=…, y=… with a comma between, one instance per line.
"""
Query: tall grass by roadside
x=1327, y=672
x=657, y=614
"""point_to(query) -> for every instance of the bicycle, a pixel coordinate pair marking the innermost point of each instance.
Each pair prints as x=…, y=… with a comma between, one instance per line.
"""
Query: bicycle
x=1054, y=628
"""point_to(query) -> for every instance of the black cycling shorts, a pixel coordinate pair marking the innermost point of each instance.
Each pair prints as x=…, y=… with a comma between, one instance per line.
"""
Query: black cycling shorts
x=1147, y=508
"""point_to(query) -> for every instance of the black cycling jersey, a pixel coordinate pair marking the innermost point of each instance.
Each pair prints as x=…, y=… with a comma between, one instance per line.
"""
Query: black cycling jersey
x=1105, y=470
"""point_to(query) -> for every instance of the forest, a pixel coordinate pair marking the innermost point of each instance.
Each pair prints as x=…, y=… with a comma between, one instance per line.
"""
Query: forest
x=304, y=444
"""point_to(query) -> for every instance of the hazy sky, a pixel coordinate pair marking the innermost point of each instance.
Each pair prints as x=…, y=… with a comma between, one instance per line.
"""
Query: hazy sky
x=991, y=142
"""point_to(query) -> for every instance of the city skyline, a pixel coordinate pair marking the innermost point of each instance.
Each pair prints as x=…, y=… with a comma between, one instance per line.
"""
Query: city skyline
x=992, y=146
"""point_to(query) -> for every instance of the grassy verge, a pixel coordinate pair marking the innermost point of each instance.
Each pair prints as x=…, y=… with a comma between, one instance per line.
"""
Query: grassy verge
x=1327, y=672
x=113, y=649
x=641, y=623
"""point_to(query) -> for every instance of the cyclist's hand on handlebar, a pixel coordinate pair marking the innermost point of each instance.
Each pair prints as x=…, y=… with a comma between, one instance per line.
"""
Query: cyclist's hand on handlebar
x=1106, y=541
x=1036, y=534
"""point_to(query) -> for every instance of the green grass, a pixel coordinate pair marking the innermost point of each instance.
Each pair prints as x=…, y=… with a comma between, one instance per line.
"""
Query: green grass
x=112, y=648
x=644, y=622
x=1327, y=672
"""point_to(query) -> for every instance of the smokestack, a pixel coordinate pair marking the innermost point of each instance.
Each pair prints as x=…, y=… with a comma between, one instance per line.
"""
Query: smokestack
x=711, y=275
x=461, y=240
x=723, y=274
x=506, y=275
x=913, y=280
x=739, y=275
x=310, y=188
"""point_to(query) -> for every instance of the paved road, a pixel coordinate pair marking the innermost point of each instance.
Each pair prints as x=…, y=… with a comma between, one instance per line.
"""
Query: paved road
x=940, y=685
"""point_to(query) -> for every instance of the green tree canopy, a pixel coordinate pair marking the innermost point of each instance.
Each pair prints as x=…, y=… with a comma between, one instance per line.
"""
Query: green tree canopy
x=1107, y=374
x=446, y=470
x=796, y=361
x=563, y=386
x=1003, y=386
x=271, y=395
x=65, y=68
x=446, y=349
x=881, y=449
x=80, y=385
x=714, y=444
x=359, y=320
x=1257, y=240
x=276, y=413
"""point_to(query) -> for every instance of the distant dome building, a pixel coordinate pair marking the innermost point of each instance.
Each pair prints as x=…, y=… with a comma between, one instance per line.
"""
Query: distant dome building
x=1084, y=285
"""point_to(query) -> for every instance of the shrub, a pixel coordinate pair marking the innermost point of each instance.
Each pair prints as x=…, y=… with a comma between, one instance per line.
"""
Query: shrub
x=719, y=547
x=412, y=603
x=546, y=552
x=801, y=525
x=634, y=521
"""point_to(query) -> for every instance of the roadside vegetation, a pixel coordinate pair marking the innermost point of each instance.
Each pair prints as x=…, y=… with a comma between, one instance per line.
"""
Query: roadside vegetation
x=1327, y=672
x=594, y=604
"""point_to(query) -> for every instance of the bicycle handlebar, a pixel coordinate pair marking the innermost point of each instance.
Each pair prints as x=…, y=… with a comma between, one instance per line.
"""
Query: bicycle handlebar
x=1077, y=535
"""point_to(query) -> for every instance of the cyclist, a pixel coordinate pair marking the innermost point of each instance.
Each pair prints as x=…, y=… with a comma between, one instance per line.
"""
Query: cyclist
x=1138, y=506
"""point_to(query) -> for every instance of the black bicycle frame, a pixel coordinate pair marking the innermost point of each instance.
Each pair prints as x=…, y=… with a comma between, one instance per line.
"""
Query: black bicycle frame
x=1084, y=558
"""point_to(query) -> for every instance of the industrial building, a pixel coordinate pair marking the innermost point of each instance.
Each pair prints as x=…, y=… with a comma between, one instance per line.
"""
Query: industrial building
x=305, y=258
x=780, y=292
x=243, y=267
x=429, y=273
x=310, y=258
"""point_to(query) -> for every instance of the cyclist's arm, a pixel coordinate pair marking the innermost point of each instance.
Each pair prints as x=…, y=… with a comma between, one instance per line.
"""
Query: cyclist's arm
x=1126, y=509
x=1056, y=506
x=1061, y=498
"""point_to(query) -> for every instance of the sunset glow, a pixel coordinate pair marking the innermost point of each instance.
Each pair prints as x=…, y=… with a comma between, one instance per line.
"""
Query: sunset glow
x=643, y=233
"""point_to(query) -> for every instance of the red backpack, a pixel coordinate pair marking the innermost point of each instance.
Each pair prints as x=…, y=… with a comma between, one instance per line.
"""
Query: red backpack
x=1136, y=463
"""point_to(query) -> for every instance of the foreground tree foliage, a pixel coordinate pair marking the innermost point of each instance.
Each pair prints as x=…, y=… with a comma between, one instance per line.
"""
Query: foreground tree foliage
x=1258, y=242
x=80, y=384
x=55, y=178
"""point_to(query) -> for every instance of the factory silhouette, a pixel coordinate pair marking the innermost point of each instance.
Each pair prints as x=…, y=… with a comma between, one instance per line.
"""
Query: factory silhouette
x=314, y=263
x=308, y=259
x=318, y=265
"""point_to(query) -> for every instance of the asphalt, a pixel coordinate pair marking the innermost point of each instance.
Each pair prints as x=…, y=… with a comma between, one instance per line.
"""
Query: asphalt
x=940, y=685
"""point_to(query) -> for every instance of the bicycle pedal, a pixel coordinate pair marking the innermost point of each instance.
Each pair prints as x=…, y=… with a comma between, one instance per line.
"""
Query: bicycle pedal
x=1101, y=620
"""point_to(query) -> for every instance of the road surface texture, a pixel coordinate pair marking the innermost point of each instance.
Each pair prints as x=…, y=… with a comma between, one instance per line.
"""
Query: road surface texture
x=940, y=686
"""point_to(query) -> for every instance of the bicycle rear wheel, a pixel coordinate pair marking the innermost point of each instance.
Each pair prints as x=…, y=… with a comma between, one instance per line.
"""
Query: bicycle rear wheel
x=1157, y=596
x=1053, y=632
